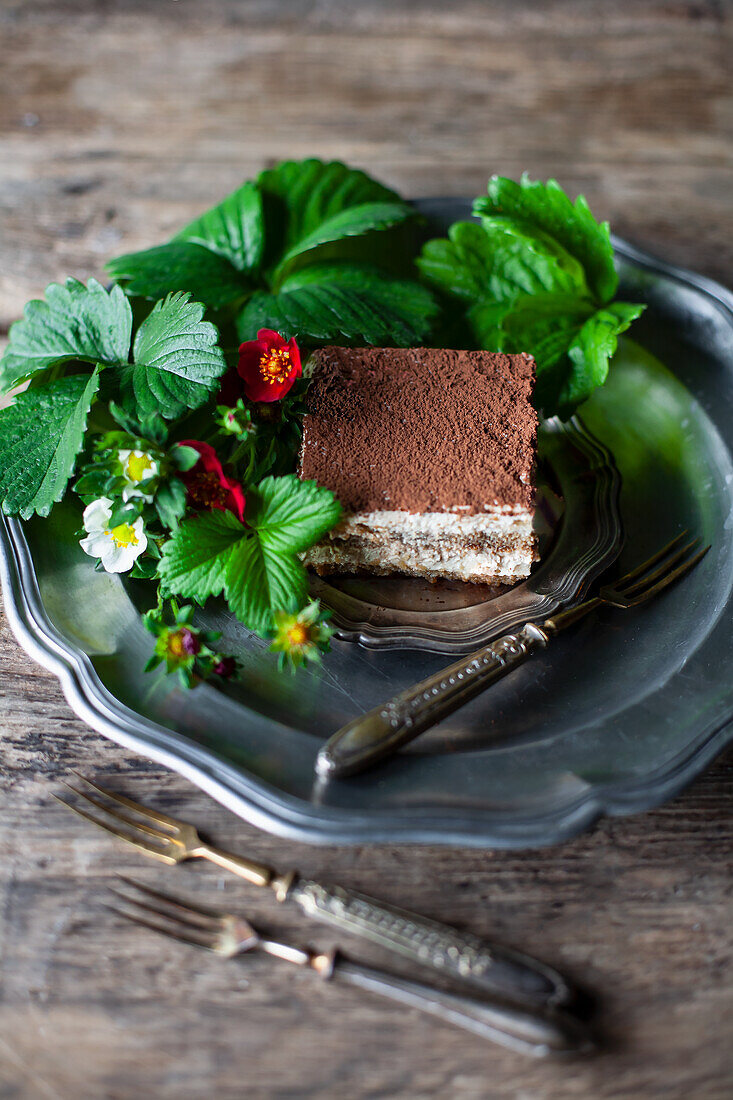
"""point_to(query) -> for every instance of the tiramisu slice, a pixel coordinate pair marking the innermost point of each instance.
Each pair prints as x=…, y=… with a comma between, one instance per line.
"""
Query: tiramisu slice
x=431, y=453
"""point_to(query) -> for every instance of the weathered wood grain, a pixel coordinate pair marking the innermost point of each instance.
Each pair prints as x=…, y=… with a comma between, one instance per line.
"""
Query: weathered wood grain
x=118, y=121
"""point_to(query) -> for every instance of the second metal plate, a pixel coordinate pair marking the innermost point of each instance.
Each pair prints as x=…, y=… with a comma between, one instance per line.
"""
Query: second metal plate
x=579, y=541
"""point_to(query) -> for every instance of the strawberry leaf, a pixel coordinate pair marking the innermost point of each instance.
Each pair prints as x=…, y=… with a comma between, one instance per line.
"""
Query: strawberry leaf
x=260, y=582
x=194, y=560
x=312, y=202
x=289, y=515
x=343, y=303
x=177, y=361
x=41, y=434
x=233, y=228
x=352, y=222
x=498, y=261
x=546, y=207
x=181, y=266
x=75, y=322
x=592, y=349
x=255, y=564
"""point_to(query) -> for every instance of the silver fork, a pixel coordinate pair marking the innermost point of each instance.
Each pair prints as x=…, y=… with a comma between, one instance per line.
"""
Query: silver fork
x=380, y=732
x=487, y=967
x=226, y=934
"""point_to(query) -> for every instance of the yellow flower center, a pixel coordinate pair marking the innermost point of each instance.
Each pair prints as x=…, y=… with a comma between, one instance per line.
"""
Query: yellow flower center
x=297, y=635
x=275, y=365
x=137, y=466
x=175, y=644
x=123, y=535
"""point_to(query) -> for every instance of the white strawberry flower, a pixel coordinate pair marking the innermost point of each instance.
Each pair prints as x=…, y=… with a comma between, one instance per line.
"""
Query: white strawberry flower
x=138, y=469
x=118, y=547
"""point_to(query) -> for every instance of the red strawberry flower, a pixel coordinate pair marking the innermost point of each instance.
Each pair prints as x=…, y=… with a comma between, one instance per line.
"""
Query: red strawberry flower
x=207, y=486
x=269, y=366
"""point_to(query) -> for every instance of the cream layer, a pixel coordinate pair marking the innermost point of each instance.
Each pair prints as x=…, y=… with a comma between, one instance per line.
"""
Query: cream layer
x=494, y=547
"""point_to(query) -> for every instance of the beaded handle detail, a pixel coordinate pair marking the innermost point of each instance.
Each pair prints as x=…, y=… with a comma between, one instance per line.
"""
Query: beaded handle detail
x=380, y=731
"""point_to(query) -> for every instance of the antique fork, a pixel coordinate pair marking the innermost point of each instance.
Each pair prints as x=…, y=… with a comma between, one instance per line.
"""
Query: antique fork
x=465, y=958
x=373, y=736
x=539, y=1033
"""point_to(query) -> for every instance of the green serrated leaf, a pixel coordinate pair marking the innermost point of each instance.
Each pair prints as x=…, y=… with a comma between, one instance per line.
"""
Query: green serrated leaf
x=546, y=207
x=343, y=303
x=497, y=261
x=261, y=581
x=194, y=560
x=177, y=361
x=264, y=575
x=541, y=324
x=289, y=515
x=460, y=265
x=303, y=196
x=530, y=277
x=75, y=322
x=592, y=348
x=41, y=434
x=181, y=266
x=484, y=319
x=352, y=222
x=254, y=564
x=531, y=262
x=234, y=228
x=544, y=325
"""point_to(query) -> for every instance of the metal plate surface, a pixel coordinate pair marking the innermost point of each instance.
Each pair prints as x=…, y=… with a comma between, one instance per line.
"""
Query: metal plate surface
x=614, y=717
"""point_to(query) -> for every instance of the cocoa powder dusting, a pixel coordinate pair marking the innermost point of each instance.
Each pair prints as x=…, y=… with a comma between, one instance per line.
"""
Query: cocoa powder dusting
x=421, y=429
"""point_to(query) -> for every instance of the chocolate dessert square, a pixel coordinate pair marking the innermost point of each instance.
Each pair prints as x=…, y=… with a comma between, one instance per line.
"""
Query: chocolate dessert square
x=431, y=453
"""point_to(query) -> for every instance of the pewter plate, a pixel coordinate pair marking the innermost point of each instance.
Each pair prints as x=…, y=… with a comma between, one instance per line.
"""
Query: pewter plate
x=613, y=718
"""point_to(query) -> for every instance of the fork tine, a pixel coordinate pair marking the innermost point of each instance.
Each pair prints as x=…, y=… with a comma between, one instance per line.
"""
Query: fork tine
x=172, y=900
x=129, y=821
x=669, y=578
x=137, y=842
x=646, y=578
x=160, y=909
x=144, y=811
x=634, y=573
x=160, y=904
x=164, y=929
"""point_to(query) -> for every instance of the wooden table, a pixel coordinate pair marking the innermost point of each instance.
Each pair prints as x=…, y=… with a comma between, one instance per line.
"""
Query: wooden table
x=118, y=122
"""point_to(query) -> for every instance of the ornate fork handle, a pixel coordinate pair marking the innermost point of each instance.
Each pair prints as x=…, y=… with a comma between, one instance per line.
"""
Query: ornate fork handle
x=465, y=958
x=539, y=1034
x=381, y=731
